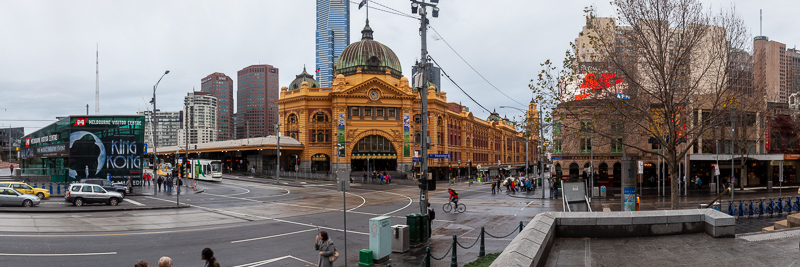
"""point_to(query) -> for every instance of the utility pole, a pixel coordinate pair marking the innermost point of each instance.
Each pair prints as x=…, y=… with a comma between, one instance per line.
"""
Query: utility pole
x=155, y=126
x=733, y=136
x=186, y=134
x=422, y=84
x=716, y=140
x=541, y=152
x=278, y=154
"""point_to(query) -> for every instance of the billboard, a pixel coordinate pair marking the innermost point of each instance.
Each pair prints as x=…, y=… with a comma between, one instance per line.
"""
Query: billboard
x=593, y=86
x=106, y=147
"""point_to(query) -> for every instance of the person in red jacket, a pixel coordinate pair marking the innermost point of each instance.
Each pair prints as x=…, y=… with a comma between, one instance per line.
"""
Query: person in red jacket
x=453, y=196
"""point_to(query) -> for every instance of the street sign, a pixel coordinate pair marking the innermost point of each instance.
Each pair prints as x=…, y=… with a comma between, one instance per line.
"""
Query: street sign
x=641, y=167
x=716, y=170
x=145, y=148
x=479, y=166
x=438, y=156
x=459, y=162
x=498, y=162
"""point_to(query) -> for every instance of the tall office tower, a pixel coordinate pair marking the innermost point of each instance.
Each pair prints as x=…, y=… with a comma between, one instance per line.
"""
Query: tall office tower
x=200, y=119
x=772, y=69
x=169, y=122
x=220, y=86
x=256, y=93
x=333, y=35
x=795, y=55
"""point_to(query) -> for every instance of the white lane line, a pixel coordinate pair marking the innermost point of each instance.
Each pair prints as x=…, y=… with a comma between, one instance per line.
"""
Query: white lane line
x=409, y=203
x=248, y=191
x=363, y=201
x=134, y=202
x=267, y=237
x=520, y=210
x=263, y=218
x=259, y=263
x=58, y=255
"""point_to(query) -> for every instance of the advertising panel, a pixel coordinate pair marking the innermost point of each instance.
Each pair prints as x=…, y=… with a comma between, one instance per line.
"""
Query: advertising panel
x=593, y=86
x=340, y=132
x=106, y=147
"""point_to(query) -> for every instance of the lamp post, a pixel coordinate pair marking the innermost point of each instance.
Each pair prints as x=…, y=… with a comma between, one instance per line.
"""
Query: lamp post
x=155, y=126
x=716, y=140
x=733, y=136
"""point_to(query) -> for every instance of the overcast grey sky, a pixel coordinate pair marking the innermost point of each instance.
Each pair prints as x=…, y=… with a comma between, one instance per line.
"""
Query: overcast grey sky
x=47, y=50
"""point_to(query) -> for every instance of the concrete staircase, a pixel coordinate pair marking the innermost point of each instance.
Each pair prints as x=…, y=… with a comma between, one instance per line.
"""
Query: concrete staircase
x=791, y=221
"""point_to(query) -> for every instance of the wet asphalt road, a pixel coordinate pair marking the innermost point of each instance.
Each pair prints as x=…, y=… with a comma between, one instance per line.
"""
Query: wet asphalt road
x=268, y=225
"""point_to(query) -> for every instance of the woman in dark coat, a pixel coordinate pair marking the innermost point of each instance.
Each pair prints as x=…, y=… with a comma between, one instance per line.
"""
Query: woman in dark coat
x=325, y=247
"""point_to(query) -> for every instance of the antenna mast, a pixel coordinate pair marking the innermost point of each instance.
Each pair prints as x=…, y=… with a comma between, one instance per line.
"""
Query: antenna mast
x=97, y=81
x=760, y=21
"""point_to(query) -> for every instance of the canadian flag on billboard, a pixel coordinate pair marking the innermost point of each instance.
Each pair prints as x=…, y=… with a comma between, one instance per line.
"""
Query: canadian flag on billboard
x=80, y=122
x=27, y=142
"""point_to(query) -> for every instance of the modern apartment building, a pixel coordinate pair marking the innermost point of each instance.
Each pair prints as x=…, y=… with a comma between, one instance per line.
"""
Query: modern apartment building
x=772, y=69
x=200, y=119
x=220, y=86
x=169, y=123
x=256, y=93
x=332, y=36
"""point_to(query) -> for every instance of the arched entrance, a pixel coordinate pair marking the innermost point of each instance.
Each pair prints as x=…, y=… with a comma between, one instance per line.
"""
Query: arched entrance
x=603, y=172
x=320, y=163
x=573, y=171
x=617, y=174
x=374, y=153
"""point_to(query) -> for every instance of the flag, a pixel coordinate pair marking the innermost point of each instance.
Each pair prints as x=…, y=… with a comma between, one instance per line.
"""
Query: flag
x=363, y=2
x=317, y=71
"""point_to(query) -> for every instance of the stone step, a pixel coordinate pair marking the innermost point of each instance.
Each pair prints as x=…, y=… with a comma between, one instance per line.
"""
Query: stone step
x=781, y=225
x=794, y=220
x=768, y=228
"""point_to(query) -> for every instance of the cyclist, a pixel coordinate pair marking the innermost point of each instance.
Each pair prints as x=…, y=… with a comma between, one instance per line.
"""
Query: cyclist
x=453, y=196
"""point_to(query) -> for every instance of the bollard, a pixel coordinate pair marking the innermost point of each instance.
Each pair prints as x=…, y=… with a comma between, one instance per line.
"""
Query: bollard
x=427, y=257
x=520, y=226
x=483, y=247
x=65, y=187
x=58, y=188
x=51, y=187
x=454, y=258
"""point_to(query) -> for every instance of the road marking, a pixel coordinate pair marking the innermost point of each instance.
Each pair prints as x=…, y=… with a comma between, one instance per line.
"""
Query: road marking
x=267, y=237
x=134, y=202
x=123, y=234
x=409, y=203
x=259, y=263
x=248, y=191
x=58, y=255
x=261, y=217
x=520, y=210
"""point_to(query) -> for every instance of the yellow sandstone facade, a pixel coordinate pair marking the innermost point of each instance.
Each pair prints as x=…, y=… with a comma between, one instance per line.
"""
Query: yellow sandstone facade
x=374, y=113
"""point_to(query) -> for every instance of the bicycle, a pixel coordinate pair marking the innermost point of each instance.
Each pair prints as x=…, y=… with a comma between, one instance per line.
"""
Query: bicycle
x=750, y=211
x=460, y=207
x=779, y=207
x=796, y=204
x=770, y=207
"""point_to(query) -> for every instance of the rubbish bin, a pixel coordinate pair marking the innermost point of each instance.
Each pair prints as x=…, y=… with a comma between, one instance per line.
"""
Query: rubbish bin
x=603, y=191
x=412, y=220
x=400, y=238
x=365, y=257
x=595, y=191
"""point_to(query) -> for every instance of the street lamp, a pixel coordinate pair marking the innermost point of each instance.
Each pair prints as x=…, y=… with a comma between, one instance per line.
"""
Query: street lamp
x=155, y=126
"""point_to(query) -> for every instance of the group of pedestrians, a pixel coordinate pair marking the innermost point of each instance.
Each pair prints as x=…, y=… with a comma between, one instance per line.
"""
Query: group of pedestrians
x=376, y=175
x=513, y=185
x=167, y=183
x=207, y=255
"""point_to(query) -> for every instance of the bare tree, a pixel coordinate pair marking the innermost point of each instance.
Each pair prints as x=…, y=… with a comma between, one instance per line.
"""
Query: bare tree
x=669, y=58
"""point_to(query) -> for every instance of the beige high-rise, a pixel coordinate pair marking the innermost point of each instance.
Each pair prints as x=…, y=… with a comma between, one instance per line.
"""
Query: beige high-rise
x=772, y=69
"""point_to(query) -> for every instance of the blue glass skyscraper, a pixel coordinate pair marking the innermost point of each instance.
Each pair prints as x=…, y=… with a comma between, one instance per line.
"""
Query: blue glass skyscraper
x=333, y=35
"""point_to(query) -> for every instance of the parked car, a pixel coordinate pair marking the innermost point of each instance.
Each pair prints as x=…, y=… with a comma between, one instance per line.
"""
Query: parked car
x=105, y=184
x=27, y=189
x=9, y=196
x=80, y=193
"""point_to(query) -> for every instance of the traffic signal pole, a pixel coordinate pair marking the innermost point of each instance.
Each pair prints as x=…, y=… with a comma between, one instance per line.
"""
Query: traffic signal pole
x=423, y=94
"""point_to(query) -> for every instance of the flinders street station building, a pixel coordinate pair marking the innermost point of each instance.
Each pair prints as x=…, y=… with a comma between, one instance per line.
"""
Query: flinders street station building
x=371, y=117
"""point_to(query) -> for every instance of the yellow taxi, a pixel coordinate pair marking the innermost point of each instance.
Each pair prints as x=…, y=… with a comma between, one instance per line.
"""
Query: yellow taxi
x=27, y=189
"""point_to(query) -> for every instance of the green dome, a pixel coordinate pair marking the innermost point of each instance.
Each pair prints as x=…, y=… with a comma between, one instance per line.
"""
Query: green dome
x=304, y=77
x=369, y=55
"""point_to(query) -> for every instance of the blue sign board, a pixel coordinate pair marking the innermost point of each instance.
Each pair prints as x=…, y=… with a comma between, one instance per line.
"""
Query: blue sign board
x=438, y=156
x=145, y=148
x=417, y=159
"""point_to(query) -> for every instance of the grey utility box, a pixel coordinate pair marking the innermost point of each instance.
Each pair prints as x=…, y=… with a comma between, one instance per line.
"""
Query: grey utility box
x=401, y=238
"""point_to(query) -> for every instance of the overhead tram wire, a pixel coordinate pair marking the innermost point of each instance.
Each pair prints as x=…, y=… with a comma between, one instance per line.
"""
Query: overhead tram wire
x=476, y=71
x=459, y=87
x=395, y=12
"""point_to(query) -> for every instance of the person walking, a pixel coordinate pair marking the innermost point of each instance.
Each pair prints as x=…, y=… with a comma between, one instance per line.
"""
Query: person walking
x=326, y=249
x=12, y=169
x=365, y=178
x=130, y=184
x=431, y=217
x=388, y=178
x=494, y=185
x=160, y=182
x=208, y=256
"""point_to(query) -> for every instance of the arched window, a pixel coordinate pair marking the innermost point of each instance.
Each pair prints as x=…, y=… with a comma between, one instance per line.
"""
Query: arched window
x=603, y=172
x=320, y=117
x=374, y=144
x=558, y=171
x=573, y=171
